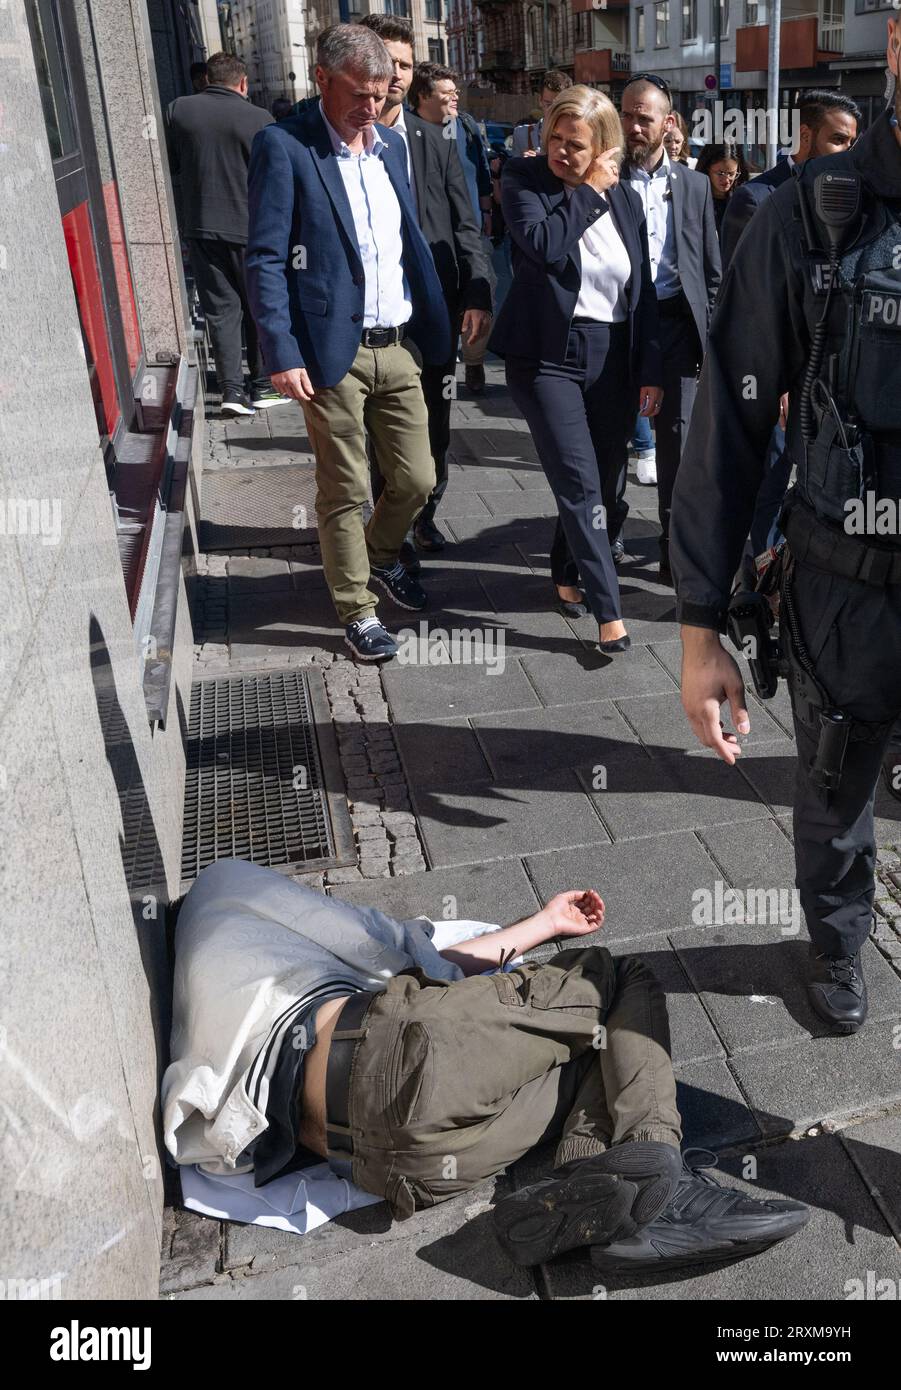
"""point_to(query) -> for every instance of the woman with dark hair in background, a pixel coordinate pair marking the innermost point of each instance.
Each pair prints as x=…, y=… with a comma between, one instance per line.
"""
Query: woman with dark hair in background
x=676, y=142
x=727, y=169
x=579, y=335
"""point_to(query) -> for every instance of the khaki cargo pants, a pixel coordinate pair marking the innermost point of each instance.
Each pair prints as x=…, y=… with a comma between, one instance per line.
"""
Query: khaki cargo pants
x=381, y=394
x=451, y=1083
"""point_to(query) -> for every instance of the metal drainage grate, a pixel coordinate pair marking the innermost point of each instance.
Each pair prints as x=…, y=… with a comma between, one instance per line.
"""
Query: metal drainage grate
x=263, y=776
x=244, y=508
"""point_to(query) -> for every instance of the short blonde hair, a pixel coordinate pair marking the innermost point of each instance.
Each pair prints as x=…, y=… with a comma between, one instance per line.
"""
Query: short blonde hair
x=596, y=109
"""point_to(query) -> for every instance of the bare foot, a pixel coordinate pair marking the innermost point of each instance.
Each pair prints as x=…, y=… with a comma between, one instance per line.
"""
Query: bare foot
x=569, y=593
x=610, y=631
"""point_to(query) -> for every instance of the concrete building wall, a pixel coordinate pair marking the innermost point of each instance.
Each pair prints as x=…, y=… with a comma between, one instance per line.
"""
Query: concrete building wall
x=83, y=1018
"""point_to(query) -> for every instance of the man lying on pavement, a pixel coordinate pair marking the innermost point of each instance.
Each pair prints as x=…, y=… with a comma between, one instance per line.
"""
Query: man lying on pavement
x=302, y=1022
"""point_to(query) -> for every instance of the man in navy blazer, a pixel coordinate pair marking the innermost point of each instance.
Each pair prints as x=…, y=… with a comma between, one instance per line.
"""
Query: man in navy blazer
x=348, y=306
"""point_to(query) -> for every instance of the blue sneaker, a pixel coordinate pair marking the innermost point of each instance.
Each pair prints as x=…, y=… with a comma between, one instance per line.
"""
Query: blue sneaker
x=406, y=590
x=369, y=641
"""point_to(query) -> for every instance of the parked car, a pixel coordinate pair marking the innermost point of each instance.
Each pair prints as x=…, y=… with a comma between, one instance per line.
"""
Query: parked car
x=498, y=134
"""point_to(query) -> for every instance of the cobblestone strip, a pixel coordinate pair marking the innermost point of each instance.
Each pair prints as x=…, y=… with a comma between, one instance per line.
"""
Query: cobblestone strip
x=385, y=830
x=887, y=922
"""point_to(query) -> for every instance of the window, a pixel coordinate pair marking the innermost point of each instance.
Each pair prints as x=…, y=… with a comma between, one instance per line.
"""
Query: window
x=755, y=12
x=436, y=51
x=401, y=8
x=639, y=30
x=433, y=9
x=661, y=25
x=689, y=20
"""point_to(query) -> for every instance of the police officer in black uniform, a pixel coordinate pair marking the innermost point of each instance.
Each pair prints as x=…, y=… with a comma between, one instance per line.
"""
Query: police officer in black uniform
x=811, y=305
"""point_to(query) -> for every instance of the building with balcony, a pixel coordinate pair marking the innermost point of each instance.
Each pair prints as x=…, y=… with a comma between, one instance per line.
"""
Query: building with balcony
x=518, y=50
x=824, y=43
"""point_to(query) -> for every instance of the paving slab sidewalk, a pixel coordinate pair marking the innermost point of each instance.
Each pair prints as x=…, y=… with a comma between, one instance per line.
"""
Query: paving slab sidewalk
x=480, y=792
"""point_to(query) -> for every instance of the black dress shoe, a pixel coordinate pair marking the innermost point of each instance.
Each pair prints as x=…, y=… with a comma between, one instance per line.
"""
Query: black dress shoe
x=837, y=990
x=427, y=536
x=616, y=644
x=591, y=1201
x=704, y=1223
x=568, y=609
x=475, y=380
x=618, y=551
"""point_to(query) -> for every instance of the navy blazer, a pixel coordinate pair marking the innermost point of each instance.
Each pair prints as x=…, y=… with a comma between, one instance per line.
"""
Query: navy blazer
x=305, y=280
x=744, y=203
x=546, y=228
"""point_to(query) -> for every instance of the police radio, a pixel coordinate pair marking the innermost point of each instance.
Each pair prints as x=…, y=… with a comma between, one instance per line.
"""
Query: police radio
x=837, y=202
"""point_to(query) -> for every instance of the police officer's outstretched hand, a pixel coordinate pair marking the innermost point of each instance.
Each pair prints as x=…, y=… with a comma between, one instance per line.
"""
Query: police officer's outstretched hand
x=710, y=676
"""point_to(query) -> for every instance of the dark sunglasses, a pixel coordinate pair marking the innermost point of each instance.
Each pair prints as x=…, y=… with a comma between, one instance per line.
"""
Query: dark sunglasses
x=649, y=77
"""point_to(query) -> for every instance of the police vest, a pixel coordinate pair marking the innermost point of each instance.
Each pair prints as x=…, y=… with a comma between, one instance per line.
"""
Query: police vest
x=862, y=371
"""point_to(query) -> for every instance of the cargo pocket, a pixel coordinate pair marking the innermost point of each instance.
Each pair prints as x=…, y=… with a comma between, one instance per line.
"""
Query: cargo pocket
x=572, y=991
x=412, y=1075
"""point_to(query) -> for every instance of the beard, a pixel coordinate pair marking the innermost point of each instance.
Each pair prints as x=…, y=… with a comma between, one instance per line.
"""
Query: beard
x=644, y=156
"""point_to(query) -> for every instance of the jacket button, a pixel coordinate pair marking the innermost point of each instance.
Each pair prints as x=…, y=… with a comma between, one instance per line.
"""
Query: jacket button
x=355, y=318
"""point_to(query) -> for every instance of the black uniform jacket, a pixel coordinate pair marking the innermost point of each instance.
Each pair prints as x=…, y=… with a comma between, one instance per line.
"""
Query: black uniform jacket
x=759, y=345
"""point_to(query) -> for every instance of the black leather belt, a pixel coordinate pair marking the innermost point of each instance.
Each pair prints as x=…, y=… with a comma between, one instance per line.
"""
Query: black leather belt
x=816, y=542
x=342, y=1046
x=383, y=337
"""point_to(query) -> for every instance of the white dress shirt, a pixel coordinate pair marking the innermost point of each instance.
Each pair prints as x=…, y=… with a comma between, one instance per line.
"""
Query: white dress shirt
x=378, y=222
x=606, y=271
x=655, y=191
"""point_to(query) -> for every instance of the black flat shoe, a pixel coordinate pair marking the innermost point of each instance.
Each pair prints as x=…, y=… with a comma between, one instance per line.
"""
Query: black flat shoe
x=616, y=644
x=569, y=610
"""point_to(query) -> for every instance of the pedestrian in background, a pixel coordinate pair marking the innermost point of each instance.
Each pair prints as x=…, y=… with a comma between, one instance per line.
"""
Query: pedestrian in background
x=527, y=135
x=209, y=136
x=449, y=226
x=434, y=96
x=685, y=264
x=676, y=142
x=727, y=170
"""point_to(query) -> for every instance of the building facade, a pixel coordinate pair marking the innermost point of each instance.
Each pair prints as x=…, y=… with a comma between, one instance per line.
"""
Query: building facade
x=832, y=44
x=100, y=422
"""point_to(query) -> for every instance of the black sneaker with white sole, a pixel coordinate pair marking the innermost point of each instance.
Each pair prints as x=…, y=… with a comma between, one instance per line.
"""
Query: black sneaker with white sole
x=703, y=1224
x=235, y=402
x=402, y=586
x=588, y=1202
x=369, y=641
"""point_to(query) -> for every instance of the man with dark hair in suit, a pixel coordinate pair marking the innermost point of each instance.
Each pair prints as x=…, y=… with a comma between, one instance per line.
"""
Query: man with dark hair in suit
x=449, y=226
x=828, y=125
x=685, y=263
x=209, y=135
x=348, y=305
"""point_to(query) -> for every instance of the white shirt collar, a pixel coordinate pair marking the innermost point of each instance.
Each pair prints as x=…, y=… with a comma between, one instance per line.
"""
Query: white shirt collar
x=663, y=170
x=372, y=141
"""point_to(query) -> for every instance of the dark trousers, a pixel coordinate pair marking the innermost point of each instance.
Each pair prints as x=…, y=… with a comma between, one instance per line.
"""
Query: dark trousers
x=452, y=1083
x=682, y=353
x=581, y=414
x=219, y=274
x=437, y=388
x=853, y=634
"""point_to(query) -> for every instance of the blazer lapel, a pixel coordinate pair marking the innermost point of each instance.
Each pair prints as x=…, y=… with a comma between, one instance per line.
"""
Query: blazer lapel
x=394, y=159
x=624, y=216
x=678, y=194
x=418, y=160
x=326, y=163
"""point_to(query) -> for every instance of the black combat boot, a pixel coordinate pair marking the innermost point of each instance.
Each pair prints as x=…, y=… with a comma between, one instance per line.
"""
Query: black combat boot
x=837, y=990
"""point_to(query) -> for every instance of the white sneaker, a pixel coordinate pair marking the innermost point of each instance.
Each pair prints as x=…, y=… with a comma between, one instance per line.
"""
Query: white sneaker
x=646, y=468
